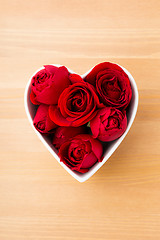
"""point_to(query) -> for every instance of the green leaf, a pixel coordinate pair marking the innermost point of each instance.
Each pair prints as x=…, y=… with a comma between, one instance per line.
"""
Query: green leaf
x=88, y=124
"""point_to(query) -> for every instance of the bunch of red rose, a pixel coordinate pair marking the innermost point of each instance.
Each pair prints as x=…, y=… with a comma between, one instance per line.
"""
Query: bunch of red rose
x=80, y=113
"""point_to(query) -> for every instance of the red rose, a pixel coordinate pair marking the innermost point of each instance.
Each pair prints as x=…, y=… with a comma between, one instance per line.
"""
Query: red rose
x=112, y=84
x=42, y=121
x=81, y=152
x=48, y=84
x=77, y=105
x=63, y=134
x=75, y=78
x=109, y=124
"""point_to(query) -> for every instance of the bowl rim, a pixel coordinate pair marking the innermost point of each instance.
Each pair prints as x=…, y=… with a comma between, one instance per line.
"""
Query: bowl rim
x=97, y=166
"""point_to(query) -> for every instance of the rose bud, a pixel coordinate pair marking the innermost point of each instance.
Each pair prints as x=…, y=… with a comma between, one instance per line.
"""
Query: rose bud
x=77, y=105
x=109, y=124
x=81, y=153
x=112, y=84
x=63, y=134
x=42, y=121
x=48, y=84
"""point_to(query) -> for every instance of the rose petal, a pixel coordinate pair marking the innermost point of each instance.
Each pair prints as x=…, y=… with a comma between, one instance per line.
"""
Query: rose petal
x=63, y=134
x=33, y=98
x=51, y=94
x=57, y=117
x=51, y=69
x=75, y=78
x=89, y=161
x=43, y=116
x=96, y=145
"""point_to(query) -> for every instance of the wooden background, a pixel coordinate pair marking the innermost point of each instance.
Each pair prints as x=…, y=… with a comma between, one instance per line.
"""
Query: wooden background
x=39, y=200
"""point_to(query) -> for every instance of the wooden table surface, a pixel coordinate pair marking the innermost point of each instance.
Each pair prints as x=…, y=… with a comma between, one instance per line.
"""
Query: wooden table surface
x=39, y=200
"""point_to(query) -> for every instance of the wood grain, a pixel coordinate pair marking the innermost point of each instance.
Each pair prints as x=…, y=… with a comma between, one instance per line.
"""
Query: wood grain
x=38, y=199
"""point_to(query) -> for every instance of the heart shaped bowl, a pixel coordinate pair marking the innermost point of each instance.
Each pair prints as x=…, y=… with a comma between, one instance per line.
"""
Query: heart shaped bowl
x=109, y=148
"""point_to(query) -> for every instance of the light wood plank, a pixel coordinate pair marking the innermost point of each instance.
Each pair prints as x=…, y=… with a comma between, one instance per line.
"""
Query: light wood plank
x=38, y=199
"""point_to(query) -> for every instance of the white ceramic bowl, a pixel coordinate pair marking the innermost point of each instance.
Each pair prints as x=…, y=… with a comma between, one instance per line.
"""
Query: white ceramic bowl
x=111, y=147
